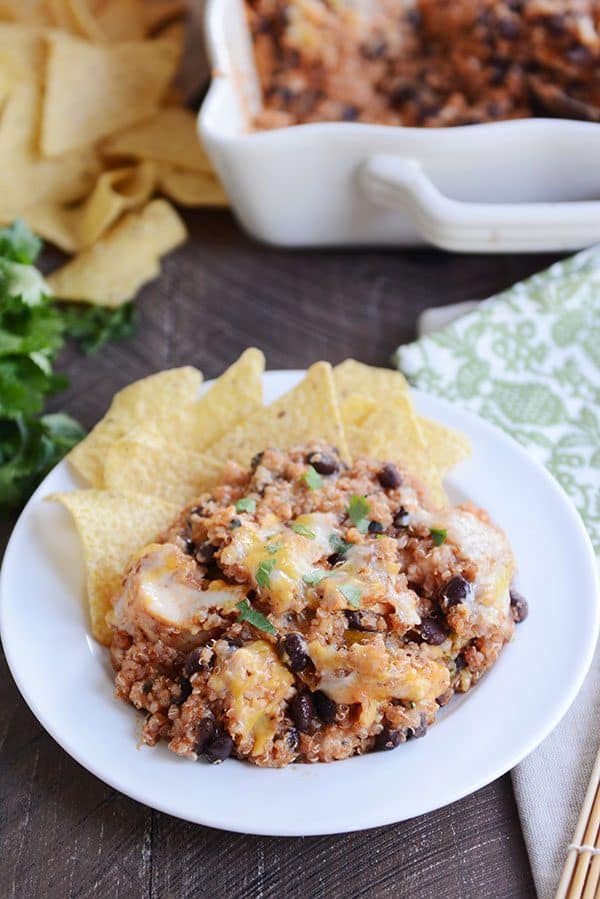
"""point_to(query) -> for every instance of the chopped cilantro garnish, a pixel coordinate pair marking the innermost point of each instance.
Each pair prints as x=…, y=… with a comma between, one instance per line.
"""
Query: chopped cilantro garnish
x=303, y=530
x=263, y=572
x=312, y=478
x=273, y=548
x=247, y=613
x=315, y=577
x=438, y=535
x=245, y=504
x=339, y=546
x=352, y=593
x=358, y=511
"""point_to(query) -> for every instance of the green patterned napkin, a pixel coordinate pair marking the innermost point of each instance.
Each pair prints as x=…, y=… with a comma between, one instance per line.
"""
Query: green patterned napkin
x=528, y=360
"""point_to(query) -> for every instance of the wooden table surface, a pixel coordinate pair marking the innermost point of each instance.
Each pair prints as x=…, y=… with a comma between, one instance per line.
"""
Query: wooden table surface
x=64, y=833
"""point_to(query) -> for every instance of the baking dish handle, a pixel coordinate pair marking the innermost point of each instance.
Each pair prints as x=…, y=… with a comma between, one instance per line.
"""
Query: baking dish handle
x=403, y=185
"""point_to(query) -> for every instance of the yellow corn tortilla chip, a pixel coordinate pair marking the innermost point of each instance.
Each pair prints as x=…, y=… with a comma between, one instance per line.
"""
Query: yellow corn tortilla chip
x=190, y=188
x=168, y=471
x=158, y=13
x=309, y=411
x=354, y=410
x=168, y=462
x=170, y=136
x=112, y=527
x=94, y=90
x=113, y=270
x=121, y=20
x=390, y=432
x=355, y=377
x=81, y=19
x=159, y=398
x=74, y=228
x=26, y=12
x=446, y=447
x=24, y=176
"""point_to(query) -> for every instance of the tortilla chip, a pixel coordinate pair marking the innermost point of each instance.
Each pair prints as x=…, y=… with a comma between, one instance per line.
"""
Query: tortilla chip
x=389, y=431
x=171, y=472
x=309, y=411
x=158, y=13
x=26, y=12
x=113, y=270
x=82, y=20
x=189, y=188
x=159, y=398
x=121, y=20
x=446, y=447
x=75, y=228
x=112, y=527
x=93, y=90
x=355, y=377
x=170, y=136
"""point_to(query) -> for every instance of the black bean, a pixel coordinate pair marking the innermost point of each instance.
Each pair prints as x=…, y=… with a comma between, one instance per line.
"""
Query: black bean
x=205, y=552
x=350, y=113
x=509, y=29
x=185, y=690
x=188, y=545
x=376, y=527
x=389, y=477
x=295, y=649
x=219, y=749
x=432, y=632
x=256, y=460
x=519, y=606
x=292, y=739
x=147, y=686
x=193, y=662
x=413, y=733
x=361, y=621
x=204, y=733
x=335, y=558
x=401, y=518
x=375, y=50
x=326, y=707
x=457, y=590
x=459, y=662
x=235, y=523
x=388, y=739
x=323, y=463
x=302, y=712
x=197, y=510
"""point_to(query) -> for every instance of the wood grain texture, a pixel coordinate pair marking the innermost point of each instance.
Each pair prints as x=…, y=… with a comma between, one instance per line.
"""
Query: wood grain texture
x=64, y=833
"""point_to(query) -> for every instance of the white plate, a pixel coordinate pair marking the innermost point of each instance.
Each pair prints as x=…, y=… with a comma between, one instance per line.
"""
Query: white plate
x=66, y=680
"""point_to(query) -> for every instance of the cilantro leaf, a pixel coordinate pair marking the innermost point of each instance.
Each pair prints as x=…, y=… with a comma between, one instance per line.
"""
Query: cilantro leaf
x=438, y=535
x=358, y=511
x=93, y=326
x=352, y=593
x=273, y=548
x=19, y=244
x=245, y=504
x=263, y=572
x=339, y=546
x=247, y=613
x=315, y=577
x=303, y=530
x=312, y=478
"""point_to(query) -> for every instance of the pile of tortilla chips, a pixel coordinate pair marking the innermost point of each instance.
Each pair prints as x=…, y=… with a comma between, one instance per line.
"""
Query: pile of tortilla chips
x=162, y=443
x=91, y=129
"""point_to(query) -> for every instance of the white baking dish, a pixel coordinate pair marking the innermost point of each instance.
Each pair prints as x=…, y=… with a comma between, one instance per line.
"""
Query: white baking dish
x=531, y=184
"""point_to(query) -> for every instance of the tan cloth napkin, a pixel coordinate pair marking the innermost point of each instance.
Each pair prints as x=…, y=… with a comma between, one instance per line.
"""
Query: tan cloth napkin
x=557, y=314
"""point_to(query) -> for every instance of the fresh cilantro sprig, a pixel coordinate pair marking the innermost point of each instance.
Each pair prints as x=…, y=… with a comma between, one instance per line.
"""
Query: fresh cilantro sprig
x=352, y=593
x=301, y=529
x=438, y=535
x=263, y=572
x=33, y=328
x=247, y=613
x=312, y=478
x=245, y=504
x=358, y=510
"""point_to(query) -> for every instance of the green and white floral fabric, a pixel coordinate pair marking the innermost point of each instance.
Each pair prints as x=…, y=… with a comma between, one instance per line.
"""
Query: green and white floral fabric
x=528, y=360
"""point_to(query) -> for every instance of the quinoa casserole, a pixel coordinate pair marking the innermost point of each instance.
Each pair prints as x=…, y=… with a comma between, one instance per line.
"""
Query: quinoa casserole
x=286, y=582
x=429, y=63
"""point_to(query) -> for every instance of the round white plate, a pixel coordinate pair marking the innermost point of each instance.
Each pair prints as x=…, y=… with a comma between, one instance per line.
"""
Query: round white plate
x=66, y=677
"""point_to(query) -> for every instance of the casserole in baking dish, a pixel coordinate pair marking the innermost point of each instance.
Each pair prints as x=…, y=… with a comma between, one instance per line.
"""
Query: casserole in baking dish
x=522, y=185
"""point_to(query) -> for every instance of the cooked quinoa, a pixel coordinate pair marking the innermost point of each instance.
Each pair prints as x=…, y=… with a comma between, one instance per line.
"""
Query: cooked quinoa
x=427, y=63
x=307, y=610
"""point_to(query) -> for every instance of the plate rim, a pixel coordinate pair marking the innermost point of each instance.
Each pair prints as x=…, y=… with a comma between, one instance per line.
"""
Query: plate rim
x=511, y=759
